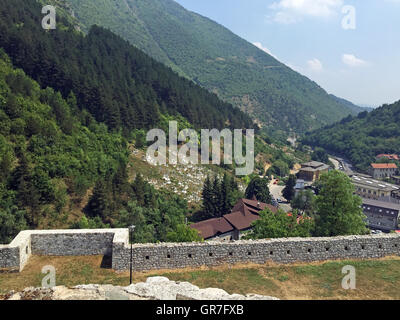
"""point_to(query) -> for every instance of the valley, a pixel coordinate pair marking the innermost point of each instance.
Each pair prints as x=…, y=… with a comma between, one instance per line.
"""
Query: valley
x=141, y=135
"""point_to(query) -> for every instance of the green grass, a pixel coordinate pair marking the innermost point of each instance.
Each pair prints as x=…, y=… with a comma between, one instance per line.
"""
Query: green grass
x=375, y=279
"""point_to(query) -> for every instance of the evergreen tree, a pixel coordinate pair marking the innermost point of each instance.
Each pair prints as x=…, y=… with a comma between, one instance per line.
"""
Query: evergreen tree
x=207, y=194
x=259, y=188
x=289, y=191
x=225, y=194
x=217, y=197
x=120, y=181
x=101, y=202
x=12, y=221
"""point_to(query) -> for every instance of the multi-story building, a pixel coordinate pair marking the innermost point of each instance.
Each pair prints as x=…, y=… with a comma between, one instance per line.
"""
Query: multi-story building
x=369, y=188
x=383, y=170
x=381, y=215
x=311, y=171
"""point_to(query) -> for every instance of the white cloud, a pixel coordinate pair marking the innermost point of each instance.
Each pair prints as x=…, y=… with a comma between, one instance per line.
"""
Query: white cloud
x=292, y=11
x=315, y=65
x=266, y=50
x=352, y=61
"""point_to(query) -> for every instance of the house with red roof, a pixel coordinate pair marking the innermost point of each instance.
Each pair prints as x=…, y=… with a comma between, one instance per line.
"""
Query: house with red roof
x=383, y=170
x=234, y=225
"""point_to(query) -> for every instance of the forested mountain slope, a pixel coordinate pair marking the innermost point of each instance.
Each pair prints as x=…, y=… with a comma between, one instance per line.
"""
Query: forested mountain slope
x=59, y=168
x=217, y=59
x=117, y=83
x=50, y=153
x=63, y=146
x=362, y=138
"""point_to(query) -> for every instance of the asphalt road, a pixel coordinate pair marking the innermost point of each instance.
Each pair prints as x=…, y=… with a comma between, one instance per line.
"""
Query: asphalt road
x=347, y=167
x=276, y=192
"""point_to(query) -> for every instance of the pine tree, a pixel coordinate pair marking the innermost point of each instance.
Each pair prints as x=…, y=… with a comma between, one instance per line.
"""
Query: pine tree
x=217, y=197
x=259, y=188
x=289, y=191
x=101, y=202
x=208, y=207
x=225, y=194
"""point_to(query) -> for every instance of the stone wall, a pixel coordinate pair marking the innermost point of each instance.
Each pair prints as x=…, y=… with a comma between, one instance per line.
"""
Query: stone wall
x=180, y=255
x=171, y=256
x=14, y=256
x=72, y=244
x=9, y=258
x=59, y=243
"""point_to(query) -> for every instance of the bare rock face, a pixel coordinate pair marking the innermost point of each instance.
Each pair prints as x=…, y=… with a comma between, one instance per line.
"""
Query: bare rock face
x=155, y=288
x=161, y=288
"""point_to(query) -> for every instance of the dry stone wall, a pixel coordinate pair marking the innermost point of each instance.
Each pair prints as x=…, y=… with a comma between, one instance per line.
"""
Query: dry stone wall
x=171, y=256
x=115, y=242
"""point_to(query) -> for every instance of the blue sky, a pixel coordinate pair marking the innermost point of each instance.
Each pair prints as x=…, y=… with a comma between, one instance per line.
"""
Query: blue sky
x=360, y=62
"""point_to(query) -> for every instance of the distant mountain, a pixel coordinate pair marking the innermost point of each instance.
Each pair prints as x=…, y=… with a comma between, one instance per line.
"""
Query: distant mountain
x=281, y=99
x=368, y=107
x=355, y=108
x=361, y=138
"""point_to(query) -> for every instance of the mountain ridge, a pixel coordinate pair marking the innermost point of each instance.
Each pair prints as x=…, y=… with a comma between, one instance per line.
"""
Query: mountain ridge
x=206, y=52
x=361, y=138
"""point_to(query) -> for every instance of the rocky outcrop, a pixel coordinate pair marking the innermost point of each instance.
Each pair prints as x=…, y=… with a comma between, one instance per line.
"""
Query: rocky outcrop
x=155, y=288
x=161, y=288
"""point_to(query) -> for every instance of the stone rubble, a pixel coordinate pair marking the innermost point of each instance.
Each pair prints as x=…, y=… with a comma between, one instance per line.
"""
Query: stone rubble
x=155, y=288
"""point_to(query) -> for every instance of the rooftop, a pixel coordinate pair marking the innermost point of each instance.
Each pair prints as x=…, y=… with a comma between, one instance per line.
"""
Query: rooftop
x=372, y=183
x=212, y=227
x=384, y=165
x=313, y=166
x=381, y=204
x=243, y=214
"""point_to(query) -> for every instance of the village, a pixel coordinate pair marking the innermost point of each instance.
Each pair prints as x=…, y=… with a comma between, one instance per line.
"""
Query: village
x=380, y=199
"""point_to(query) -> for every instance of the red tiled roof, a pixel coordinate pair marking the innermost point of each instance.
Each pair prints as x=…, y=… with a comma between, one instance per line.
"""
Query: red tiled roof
x=246, y=211
x=252, y=206
x=389, y=156
x=212, y=227
x=384, y=165
x=243, y=214
x=241, y=221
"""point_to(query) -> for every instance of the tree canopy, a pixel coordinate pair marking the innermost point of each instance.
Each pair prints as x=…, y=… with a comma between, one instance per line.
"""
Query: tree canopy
x=116, y=82
x=259, y=188
x=280, y=225
x=338, y=209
